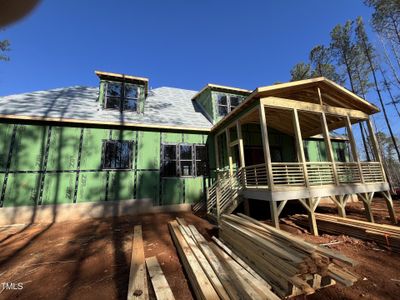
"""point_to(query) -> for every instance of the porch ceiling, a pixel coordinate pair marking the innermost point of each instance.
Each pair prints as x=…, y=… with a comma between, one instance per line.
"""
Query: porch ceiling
x=282, y=120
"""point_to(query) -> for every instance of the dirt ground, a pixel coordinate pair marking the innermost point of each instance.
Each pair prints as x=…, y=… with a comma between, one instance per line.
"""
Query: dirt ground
x=91, y=259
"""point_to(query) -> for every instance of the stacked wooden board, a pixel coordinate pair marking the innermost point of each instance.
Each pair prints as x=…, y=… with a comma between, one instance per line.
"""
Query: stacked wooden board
x=382, y=234
x=289, y=264
x=214, y=271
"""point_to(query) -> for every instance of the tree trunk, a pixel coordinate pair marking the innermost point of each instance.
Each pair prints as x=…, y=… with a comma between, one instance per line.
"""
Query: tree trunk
x=369, y=58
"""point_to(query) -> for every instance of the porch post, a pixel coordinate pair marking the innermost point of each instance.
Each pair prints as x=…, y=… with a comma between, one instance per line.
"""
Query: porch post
x=376, y=147
x=354, y=147
x=241, y=146
x=386, y=194
x=328, y=144
x=325, y=132
x=267, y=154
x=228, y=142
x=300, y=153
x=268, y=166
x=300, y=147
x=216, y=151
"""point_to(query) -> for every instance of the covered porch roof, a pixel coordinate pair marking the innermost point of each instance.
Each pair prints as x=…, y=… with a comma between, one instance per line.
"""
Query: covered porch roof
x=335, y=99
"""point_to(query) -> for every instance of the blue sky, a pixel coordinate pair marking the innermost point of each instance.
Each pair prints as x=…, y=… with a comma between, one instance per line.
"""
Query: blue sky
x=174, y=43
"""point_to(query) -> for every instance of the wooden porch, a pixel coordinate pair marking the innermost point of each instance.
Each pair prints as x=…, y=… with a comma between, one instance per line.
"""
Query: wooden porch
x=302, y=112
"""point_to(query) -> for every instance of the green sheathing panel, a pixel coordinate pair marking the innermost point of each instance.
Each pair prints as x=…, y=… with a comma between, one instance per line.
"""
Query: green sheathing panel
x=148, y=150
x=194, y=189
x=92, y=187
x=141, y=99
x=30, y=143
x=101, y=92
x=121, y=186
x=21, y=189
x=127, y=135
x=193, y=138
x=222, y=151
x=63, y=150
x=211, y=151
x=5, y=139
x=92, y=148
x=58, y=188
x=172, y=191
x=170, y=137
x=148, y=185
x=315, y=150
x=206, y=102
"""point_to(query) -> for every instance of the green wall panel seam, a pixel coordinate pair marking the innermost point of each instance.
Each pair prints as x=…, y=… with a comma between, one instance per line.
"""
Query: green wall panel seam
x=44, y=166
x=4, y=187
x=78, y=166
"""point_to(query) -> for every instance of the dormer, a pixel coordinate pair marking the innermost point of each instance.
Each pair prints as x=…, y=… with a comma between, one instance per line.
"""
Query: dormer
x=122, y=92
x=217, y=101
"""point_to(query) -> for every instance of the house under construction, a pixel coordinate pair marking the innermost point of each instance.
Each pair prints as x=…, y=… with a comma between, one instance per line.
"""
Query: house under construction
x=121, y=145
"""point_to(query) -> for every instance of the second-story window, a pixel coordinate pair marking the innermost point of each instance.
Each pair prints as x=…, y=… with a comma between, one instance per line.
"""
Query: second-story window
x=227, y=103
x=121, y=96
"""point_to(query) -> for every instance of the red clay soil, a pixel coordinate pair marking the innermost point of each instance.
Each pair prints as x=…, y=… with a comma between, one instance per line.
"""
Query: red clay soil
x=91, y=259
x=87, y=259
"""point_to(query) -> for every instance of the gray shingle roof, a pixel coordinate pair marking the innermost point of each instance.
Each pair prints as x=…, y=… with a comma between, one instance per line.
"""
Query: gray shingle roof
x=164, y=106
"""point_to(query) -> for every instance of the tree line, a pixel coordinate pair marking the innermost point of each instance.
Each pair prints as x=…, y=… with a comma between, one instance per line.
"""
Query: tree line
x=352, y=60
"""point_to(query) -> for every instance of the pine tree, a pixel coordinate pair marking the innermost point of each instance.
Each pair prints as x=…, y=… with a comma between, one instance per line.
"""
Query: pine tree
x=321, y=63
x=345, y=52
x=368, y=50
x=300, y=71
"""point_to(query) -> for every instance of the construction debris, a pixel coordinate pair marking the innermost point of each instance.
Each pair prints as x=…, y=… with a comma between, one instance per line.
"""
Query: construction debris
x=384, y=235
x=290, y=265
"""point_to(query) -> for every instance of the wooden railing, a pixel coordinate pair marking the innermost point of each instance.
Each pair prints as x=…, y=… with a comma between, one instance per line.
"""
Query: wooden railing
x=288, y=173
x=223, y=193
x=348, y=172
x=319, y=173
x=372, y=172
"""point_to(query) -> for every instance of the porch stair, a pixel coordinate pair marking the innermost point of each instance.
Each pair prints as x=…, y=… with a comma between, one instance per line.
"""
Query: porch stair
x=224, y=196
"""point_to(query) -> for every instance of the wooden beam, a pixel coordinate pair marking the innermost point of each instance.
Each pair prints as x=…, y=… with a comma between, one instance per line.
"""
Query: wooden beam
x=274, y=213
x=200, y=283
x=138, y=288
x=267, y=153
x=98, y=122
x=389, y=203
x=160, y=283
x=312, y=107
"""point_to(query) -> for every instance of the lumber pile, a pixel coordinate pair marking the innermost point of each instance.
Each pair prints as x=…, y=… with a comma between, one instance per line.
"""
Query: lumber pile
x=289, y=264
x=382, y=234
x=214, y=271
